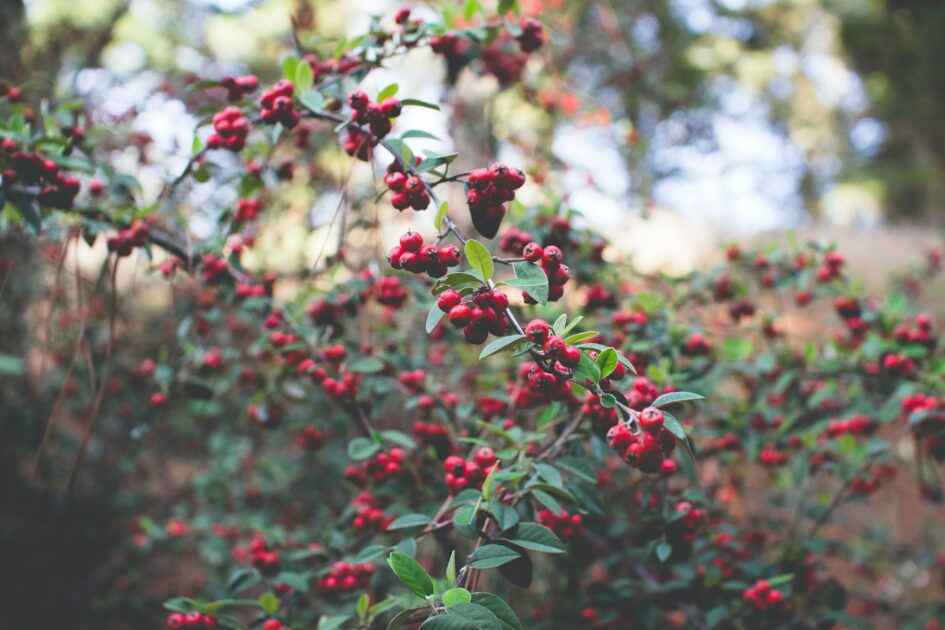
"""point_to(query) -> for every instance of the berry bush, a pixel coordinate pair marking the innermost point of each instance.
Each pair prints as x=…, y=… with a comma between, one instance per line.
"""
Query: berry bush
x=487, y=423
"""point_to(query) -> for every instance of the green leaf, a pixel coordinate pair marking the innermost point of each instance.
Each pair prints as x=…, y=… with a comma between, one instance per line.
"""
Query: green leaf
x=28, y=212
x=406, y=102
x=673, y=426
x=500, y=344
x=363, y=602
x=607, y=362
x=532, y=279
x=387, y=92
x=312, y=100
x=499, y=608
x=401, y=618
x=411, y=573
x=332, y=622
x=560, y=324
x=434, y=317
x=537, y=537
x=366, y=365
x=451, y=568
x=489, y=483
x=456, y=596
x=608, y=400
x=600, y=348
x=663, y=551
x=456, y=280
x=399, y=438
x=587, y=370
x=361, y=448
x=470, y=9
x=11, y=365
x=779, y=580
x=290, y=66
x=269, y=603
x=440, y=215
x=550, y=474
x=304, y=77
x=577, y=338
x=478, y=616
x=491, y=556
x=675, y=397
x=409, y=520
x=418, y=133
x=479, y=259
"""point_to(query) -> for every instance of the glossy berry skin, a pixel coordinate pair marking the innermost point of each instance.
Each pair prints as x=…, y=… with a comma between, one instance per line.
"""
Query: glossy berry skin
x=551, y=257
x=460, y=315
x=651, y=420
x=569, y=356
x=554, y=346
x=448, y=299
x=449, y=255
x=411, y=241
x=532, y=252
x=537, y=331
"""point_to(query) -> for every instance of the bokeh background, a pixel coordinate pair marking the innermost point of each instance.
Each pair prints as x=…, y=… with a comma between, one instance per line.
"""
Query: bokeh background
x=674, y=125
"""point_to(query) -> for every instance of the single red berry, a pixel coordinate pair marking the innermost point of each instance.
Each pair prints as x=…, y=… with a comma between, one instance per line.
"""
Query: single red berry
x=449, y=255
x=460, y=315
x=532, y=252
x=448, y=299
x=570, y=356
x=554, y=346
x=537, y=331
x=411, y=241
x=651, y=420
x=551, y=257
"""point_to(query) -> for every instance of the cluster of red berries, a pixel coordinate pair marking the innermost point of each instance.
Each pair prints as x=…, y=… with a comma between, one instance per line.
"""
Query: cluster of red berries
x=126, y=240
x=532, y=36
x=390, y=292
x=462, y=474
x=598, y=296
x=482, y=314
x=857, y=425
x=566, y=526
x=489, y=189
x=434, y=435
x=409, y=191
x=833, y=262
x=412, y=380
x=771, y=457
x=266, y=561
x=56, y=189
x=310, y=438
x=536, y=390
x=648, y=449
x=192, y=619
x=742, y=309
x=865, y=485
x=696, y=346
x=247, y=209
x=598, y=414
x=550, y=259
x=897, y=365
x=346, y=576
x=415, y=256
x=449, y=45
x=369, y=517
x=343, y=389
x=238, y=87
x=919, y=334
x=231, y=128
x=277, y=105
x=762, y=597
x=686, y=527
x=379, y=468
x=341, y=65
x=375, y=116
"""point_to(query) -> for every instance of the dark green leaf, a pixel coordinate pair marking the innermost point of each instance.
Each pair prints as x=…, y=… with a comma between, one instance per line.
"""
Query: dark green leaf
x=411, y=573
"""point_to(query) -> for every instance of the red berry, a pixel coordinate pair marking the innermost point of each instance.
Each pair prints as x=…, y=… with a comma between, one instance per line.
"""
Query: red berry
x=448, y=299
x=532, y=252
x=554, y=346
x=411, y=241
x=460, y=315
x=537, y=331
x=651, y=420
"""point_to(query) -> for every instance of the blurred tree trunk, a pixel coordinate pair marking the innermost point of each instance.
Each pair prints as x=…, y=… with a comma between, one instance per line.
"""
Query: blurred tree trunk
x=12, y=34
